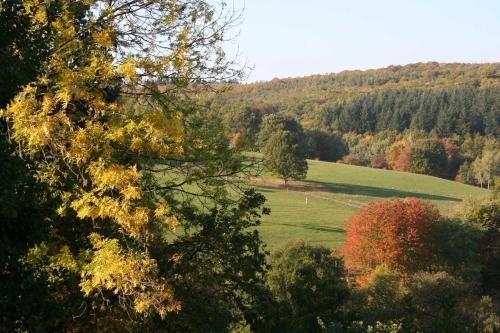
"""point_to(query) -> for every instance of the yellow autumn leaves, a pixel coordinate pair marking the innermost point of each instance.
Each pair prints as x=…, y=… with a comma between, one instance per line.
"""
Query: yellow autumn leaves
x=126, y=274
x=92, y=148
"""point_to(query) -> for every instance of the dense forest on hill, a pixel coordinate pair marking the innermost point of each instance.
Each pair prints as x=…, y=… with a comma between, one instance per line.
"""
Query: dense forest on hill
x=442, y=98
x=123, y=207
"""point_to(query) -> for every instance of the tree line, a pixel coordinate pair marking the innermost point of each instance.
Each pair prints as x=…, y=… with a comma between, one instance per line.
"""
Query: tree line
x=445, y=99
x=471, y=159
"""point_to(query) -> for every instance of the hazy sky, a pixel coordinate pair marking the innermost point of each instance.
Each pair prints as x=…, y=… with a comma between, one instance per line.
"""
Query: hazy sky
x=285, y=38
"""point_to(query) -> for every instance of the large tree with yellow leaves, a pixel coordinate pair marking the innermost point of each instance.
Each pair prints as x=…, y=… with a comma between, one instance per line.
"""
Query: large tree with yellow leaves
x=148, y=228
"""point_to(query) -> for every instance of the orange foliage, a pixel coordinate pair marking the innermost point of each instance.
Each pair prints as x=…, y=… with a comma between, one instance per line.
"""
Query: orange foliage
x=367, y=138
x=399, y=156
x=393, y=232
x=378, y=161
x=351, y=159
x=452, y=155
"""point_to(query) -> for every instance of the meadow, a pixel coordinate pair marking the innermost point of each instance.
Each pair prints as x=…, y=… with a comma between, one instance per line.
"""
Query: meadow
x=316, y=209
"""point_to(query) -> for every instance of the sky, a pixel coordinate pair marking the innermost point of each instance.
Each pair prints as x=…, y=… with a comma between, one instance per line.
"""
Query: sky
x=289, y=38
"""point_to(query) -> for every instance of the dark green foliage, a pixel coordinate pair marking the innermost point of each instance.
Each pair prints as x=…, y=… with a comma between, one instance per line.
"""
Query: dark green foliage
x=485, y=217
x=284, y=156
x=445, y=98
x=325, y=146
x=438, y=300
x=220, y=279
x=244, y=124
x=283, y=143
x=308, y=284
x=429, y=157
x=21, y=226
x=456, y=246
x=279, y=122
x=23, y=48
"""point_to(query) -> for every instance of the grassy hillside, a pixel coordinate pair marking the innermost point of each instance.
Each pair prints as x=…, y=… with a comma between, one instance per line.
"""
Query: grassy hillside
x=334, y=191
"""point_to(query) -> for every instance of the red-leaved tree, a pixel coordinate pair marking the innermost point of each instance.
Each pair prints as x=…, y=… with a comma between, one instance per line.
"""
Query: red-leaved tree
x=392, y=232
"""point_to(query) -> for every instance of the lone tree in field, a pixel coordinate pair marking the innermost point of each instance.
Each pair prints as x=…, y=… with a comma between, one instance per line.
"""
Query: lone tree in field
x=284, y=156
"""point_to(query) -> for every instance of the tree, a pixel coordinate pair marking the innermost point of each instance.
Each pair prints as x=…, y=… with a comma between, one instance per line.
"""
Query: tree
x=487, y=167
x=429, y=158
x=466, y=174
x=399, y=156
x=275, y=122
x=22, y=49
x=396, y=233
x=308, y=283
x=484, y=217
x=325, y=146
x=109, y=129
x=244, y=123
x=439, y=301
x=284, y=156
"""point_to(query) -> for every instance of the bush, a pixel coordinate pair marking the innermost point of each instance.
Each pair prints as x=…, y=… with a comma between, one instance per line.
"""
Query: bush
x=352, y=160
x=395, y=233
x=385, y=295
x=379, y=162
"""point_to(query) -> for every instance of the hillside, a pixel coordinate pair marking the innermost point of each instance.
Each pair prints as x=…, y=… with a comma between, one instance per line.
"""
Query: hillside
x=334, y=191
x=448, y=98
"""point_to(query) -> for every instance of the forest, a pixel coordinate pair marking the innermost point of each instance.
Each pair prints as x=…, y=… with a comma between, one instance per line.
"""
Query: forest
x=126, y=202
x=445, y=99
x=447, y=113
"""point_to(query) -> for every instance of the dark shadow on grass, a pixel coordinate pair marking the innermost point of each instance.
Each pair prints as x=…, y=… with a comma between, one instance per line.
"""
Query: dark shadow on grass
x=374, y=191
x=315, y=227
x=268, y=189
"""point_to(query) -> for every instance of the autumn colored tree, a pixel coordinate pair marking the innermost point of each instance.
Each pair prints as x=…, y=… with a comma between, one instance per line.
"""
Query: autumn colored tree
x=399, y=156
x=392, y=232
x=378, y=161
x=108, y=127
x=452, y=157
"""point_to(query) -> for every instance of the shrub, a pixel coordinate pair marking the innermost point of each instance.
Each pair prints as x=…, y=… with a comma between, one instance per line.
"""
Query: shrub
x=351, y=159
x=395, y=233
x=378, y=161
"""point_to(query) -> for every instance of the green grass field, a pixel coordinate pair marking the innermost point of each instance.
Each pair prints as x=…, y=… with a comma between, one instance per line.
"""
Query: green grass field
x=335, y=191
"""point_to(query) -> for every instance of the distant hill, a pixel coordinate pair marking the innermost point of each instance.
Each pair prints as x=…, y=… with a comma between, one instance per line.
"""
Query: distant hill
x=446, y=98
